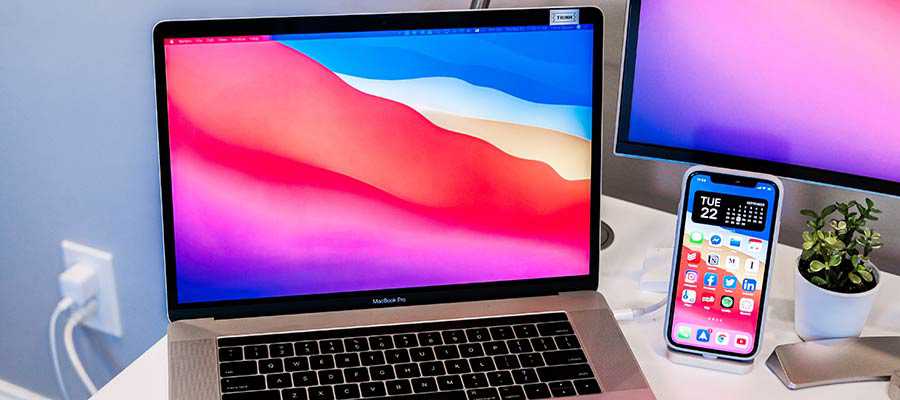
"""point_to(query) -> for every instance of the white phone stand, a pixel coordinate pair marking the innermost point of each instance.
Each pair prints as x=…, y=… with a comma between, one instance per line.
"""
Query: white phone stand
x=716, y=364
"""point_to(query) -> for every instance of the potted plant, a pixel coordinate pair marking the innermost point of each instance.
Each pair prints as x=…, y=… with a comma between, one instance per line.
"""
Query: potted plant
x=836, y=282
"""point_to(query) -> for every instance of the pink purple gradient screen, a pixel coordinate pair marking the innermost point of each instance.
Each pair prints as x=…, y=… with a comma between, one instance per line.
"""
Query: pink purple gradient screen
x=317, y=164
x=804, y=82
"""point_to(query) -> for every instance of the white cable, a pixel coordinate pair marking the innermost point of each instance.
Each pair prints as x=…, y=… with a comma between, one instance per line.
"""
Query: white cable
x=62, y=306
x=79, y=315
x=636, y=313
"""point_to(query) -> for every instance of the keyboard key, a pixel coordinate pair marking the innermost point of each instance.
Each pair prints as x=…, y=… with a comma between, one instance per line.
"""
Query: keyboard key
x=271, y=366
x=294, y=394
x=519, y=346
x=562, y=389
x=372, y=358
x=405, y=340
x=372, y=389
x=495, y=348
x=530, y=360
x=446, y=352
x=278, y=381
x=348, y=391
x=525, y=331
x=324, y=361
x=410, y=370
x=256, y=352
x=331, y=377
x=331, y=346
x=237, y=368
x=482, y=364
x=281, y=350
x=586, y=386
x=478, y=335
x=262, y=395
x=483, y=394
x=500, y=378
x=430, y=339
x=566, y=342
x=231, y=354
x=457, y=366
x=356, y=375
x=346, y=360
x=449, y=382
x=356, y=344
x=507, y=362
x=400, y=386
x=397, y=356
x=306, y=348
x=381, y=342
x=575, y=356
x=296, y=364
x=502, y=333
x=420, y=354
x=424, y=385
x=537, y=391
x=454, y=337
x=308, y=378
x=555, y=328
x=321, y=393
x=470, y=350
x=243, y=383
x=433, y=368
x=564, y=372
x=511, y=393
x=382, y=372
x=523, y=376
x=474, y=381
x=543, y=344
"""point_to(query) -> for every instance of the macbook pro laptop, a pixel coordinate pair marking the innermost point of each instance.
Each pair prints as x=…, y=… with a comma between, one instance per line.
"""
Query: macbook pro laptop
x=386, y=206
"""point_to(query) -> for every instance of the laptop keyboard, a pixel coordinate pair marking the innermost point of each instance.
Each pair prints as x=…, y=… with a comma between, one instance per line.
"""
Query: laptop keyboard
x=534, y=356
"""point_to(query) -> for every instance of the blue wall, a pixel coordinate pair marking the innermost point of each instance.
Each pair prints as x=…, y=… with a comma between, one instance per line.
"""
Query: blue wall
x=78, y=145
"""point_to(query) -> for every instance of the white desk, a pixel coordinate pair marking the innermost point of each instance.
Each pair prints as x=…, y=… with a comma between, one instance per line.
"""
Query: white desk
x=637, y=229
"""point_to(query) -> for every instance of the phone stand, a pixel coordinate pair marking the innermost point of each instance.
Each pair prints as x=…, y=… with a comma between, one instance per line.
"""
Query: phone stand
x=716, y=364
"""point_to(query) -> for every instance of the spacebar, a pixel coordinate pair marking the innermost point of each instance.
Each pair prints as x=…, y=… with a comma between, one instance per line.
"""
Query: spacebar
x=455, y=395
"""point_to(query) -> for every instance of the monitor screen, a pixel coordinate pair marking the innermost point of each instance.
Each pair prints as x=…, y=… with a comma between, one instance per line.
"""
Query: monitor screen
x=355, y=161
x=806, y=89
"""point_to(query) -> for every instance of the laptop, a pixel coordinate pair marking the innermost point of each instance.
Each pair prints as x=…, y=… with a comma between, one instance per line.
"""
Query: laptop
x=390, y=206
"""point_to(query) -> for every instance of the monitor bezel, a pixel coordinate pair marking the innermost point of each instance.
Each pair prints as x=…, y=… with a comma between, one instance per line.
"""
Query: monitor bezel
x=628, y=148
x=375, y=298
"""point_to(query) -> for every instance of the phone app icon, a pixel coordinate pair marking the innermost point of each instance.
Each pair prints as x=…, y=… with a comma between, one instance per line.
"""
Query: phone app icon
x=746, y=305
x=712, y=259
x=748, y=285
x=696, y=237
x=729, y=281
x=727, y=302
x=735, y=242
x=710, y=279
x=741, y=341
x=703, y=335
x=690, y=276
x=732, y=263
x=751, y=266
x=715, y=240
x=692, y=257
x=722, y=338
x=708, y=298
x=688, y=296
x=754, y=245
x=684, y=332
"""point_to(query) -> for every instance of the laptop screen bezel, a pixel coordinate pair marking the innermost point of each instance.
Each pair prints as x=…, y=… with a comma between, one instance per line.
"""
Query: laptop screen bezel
x=374, y=298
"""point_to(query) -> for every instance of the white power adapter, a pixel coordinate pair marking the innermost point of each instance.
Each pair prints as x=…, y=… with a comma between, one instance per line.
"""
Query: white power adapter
x=79, y=283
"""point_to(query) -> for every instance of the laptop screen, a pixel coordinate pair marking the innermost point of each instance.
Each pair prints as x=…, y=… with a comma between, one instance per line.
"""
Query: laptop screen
x=357, y=161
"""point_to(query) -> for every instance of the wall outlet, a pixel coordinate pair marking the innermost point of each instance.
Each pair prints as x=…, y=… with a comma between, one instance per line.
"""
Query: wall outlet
x=107, y=318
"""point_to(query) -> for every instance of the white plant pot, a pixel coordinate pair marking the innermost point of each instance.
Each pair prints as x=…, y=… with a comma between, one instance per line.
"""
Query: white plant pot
x=823, y=314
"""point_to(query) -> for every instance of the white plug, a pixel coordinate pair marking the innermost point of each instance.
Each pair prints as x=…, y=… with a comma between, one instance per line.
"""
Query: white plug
x=79, y=283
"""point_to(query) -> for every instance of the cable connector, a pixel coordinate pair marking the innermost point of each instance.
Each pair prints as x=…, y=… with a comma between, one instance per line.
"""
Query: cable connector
x=79, y=283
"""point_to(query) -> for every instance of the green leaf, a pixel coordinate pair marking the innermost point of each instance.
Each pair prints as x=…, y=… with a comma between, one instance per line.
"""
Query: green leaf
x=866, y=275
x=835, y=260
x=807, y=245
x=830, y=209
x=807, y=236
x=809, y=213
x=818, y=281
x=821, y=235
x=854, y=278
x=816, y=266
x=869, y=202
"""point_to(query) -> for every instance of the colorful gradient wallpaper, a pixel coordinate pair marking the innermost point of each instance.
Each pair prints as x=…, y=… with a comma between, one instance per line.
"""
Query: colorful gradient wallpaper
x=309, y=164
x=805, y=82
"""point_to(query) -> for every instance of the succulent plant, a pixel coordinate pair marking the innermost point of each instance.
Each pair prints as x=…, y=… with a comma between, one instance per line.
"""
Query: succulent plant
x=836, y=250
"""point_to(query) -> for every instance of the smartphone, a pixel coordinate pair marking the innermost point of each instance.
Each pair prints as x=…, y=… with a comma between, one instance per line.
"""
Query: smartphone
x=727, y=230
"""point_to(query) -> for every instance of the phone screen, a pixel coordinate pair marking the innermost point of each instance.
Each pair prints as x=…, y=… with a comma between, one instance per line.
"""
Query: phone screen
x=723, y=261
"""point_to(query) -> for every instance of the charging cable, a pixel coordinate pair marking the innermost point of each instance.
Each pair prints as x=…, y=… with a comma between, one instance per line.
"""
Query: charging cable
x=76, y=318
x=638, y=312
x=79, y=286
x=61, y=307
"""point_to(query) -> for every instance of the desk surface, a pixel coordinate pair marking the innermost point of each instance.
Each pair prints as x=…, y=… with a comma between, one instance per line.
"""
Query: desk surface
x=637, y=229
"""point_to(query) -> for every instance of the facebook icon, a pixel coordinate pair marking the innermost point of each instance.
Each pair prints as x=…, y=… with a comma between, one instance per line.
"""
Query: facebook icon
x=749, y=285
x=710, y=279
